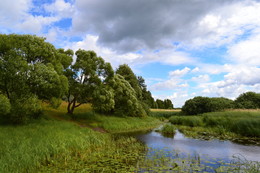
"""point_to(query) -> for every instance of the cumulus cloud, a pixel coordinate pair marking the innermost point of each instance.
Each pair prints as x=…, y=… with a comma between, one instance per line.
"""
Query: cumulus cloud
x=60, y=8
x=201, y=78
x=17, y=17
x=165, y=56
x=246, y=51
x=139, y=24
x=178, y=73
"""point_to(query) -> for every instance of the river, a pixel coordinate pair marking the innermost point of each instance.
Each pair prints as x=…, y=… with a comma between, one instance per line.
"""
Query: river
x=207, y=151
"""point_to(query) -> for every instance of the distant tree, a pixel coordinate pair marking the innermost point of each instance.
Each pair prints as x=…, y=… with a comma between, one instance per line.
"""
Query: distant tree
x=85, y=77
x=248, y=100
x=160, y=104
x=221, y=103
x=168, y=104
x=197, y=105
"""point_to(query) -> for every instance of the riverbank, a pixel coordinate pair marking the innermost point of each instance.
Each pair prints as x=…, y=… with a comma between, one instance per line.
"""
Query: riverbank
x=57, y=143
x=239, y=126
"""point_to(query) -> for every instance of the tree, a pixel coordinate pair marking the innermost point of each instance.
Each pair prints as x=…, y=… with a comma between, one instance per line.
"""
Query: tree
x=30, y=68
x=248, y=100
x=126, y=100
x=125, y=71
x=160, y=104
x=221, y=103
x=197, y=105
x=168, y=104
x=85, y=77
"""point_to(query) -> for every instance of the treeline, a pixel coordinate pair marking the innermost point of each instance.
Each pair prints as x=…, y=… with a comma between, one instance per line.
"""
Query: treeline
x=199, y=105
x=34, y=71
x=163, y=104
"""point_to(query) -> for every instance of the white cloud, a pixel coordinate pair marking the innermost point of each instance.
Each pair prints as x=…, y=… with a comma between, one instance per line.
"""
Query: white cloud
x=246, y=51
x=178, y=73
x=170, y=84
x=61, y=8
x=201, y=78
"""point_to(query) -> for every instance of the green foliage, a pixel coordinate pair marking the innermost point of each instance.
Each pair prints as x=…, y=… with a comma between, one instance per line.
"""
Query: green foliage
x=199, y=105
x=168, y=104
x=125, y=71
x=103, y=99
x=160, y=104
x=248, y=100
x=30, y=68
x=5, y=105
x=85, y=76
x=55, y=102
x=126, y=100
x=168, y=130
x=163, y=104
x=24, y=109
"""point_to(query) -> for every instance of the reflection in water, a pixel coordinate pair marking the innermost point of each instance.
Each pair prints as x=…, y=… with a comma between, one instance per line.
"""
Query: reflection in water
x=224, y=150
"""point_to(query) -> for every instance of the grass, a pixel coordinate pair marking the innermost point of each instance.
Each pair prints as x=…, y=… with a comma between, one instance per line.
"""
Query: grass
x=224, y=124
x=164, y=114
x=56, y=143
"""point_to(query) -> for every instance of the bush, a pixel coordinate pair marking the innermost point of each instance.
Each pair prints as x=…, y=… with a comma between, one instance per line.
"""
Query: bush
x=199, y=105
x=5, y=105
x=168, y=130
x=24, y=109
x=248, y=100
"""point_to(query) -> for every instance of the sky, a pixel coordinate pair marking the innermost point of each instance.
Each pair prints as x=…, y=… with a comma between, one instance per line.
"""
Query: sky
x=183, y=48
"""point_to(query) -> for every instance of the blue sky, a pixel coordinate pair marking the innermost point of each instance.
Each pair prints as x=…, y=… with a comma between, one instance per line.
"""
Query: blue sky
x=182, y=48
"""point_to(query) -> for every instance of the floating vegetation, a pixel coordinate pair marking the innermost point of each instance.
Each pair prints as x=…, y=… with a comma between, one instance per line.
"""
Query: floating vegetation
x=173, y=161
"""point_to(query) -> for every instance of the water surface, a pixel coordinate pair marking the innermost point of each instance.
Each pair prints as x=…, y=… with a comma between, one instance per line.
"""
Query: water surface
x=212, y=149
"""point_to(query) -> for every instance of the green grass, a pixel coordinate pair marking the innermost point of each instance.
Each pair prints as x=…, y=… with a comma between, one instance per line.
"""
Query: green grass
x=161, y=114
x=58, y=143
x=242, y=123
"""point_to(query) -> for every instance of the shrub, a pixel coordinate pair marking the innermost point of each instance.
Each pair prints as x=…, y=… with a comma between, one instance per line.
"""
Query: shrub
x=197, y=105
x=248, y=100
x=168, y=129
x=24, y=109
x=5, y=105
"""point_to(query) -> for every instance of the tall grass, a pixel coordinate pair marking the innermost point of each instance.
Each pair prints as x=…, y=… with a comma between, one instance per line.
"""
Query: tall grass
x=58, y=146
x=239, y=122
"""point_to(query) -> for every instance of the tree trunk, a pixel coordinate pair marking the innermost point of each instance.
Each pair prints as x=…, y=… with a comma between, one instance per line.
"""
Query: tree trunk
x=71, y=106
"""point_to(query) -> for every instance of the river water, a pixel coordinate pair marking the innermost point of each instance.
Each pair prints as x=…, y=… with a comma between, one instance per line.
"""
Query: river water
x=207, y=149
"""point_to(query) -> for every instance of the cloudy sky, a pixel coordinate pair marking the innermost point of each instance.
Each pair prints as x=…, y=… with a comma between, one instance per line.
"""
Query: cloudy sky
x=183, y=48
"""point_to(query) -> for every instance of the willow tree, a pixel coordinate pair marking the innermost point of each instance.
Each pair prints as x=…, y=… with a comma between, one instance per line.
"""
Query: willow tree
x=86, y=76
x=30, y=69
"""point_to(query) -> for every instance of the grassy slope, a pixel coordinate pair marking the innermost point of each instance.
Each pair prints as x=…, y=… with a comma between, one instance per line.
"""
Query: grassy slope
x=57, y=143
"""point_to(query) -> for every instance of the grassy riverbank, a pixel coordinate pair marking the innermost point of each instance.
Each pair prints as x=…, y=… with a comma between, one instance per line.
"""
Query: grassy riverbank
x=224, y=125
x=57, y=143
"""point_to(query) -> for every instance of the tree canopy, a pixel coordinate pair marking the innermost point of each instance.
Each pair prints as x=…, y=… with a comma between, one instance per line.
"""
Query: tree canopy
x=30, y=69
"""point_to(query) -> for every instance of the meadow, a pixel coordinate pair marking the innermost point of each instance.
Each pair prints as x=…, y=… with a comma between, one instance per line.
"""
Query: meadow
x=57, y=143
